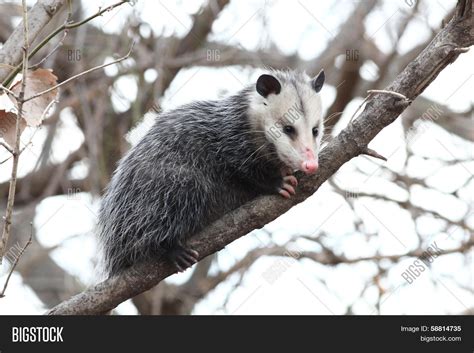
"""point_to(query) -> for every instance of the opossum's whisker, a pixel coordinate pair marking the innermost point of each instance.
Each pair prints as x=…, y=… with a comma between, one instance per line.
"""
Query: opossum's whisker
x=292, y=148
x=332, y=116
x=249, y=157
x=245, y=133
x=268, y=155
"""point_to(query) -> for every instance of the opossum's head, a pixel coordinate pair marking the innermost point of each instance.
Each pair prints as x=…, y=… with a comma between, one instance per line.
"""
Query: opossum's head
x=287, y=107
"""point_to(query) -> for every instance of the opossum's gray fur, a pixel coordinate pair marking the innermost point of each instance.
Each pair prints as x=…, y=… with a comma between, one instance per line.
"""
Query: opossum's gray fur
x=196, y=163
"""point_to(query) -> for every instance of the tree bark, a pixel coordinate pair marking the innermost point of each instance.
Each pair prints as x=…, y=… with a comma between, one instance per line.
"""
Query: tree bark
x=38, y=17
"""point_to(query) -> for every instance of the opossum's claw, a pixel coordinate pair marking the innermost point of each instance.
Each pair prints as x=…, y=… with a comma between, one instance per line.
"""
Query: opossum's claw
x=284, y=193
x=286, y=190
x=178, y=266
x=291, y=179
x=183, y=258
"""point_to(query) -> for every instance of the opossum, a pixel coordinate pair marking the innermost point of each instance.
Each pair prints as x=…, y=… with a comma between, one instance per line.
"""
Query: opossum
x=204, y=159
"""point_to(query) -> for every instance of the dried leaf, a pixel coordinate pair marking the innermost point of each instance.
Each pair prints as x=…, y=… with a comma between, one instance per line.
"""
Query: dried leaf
x=8, y=114
x=8, y=126
x=34, y=110
x=37, y=81
x=7, y=104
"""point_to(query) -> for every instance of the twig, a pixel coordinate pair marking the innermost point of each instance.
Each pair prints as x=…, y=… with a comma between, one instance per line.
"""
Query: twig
x=17, y=259
x=461, y=49
x=370, y=152
x=56, y=47
x=8, y=91
x=48, y=107
x=396, y=94
x=80, y=74
x=360, y=106
x=16, y=148
x=65, y=26
x=332, y=116
x=371, y=92
x=6, y=147
x=456, y=48
x=60, y=42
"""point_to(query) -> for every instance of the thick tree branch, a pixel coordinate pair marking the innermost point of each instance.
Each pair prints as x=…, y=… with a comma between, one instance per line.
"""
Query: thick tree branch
x=380, y=111
x=40, y=15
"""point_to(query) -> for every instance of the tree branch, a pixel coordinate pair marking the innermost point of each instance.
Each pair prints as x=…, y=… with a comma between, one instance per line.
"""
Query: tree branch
x=15, y=263
x=7, y=221
x=41, y=13
x=379, y=112
x=92, y=69
x=65, y=27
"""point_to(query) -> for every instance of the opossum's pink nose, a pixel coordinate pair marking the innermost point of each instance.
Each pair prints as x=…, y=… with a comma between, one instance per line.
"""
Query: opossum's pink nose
x=310, y=164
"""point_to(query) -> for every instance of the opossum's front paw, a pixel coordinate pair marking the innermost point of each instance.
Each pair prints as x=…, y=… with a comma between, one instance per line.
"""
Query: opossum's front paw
x=286, y=171
x=182, y=257
x=287, y=187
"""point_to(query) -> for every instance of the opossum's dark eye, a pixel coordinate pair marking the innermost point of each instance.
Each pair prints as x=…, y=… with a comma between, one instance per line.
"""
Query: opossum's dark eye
x=289, y=130
x=315, y=131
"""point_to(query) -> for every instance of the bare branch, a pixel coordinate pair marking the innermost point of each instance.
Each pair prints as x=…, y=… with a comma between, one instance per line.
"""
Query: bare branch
x=331, y=259
x=10, y=54
x=16, y=147
x=6, y=147
x=372, y=153
x=56, y=47
x=80, y=75
x=64, y=27
x=17, y=259
x=8, y=91
x=359, y=107
x=395, y=94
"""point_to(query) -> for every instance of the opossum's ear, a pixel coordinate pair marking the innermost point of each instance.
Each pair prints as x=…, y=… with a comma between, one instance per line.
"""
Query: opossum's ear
x=267, y=84
x=318, y=81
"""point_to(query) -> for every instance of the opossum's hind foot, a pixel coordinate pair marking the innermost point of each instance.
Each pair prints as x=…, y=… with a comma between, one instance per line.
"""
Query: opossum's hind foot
x=287, y=187
x=182, y=257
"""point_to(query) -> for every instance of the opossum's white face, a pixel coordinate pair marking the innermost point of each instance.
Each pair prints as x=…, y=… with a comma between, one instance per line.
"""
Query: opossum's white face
x=288, y=109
